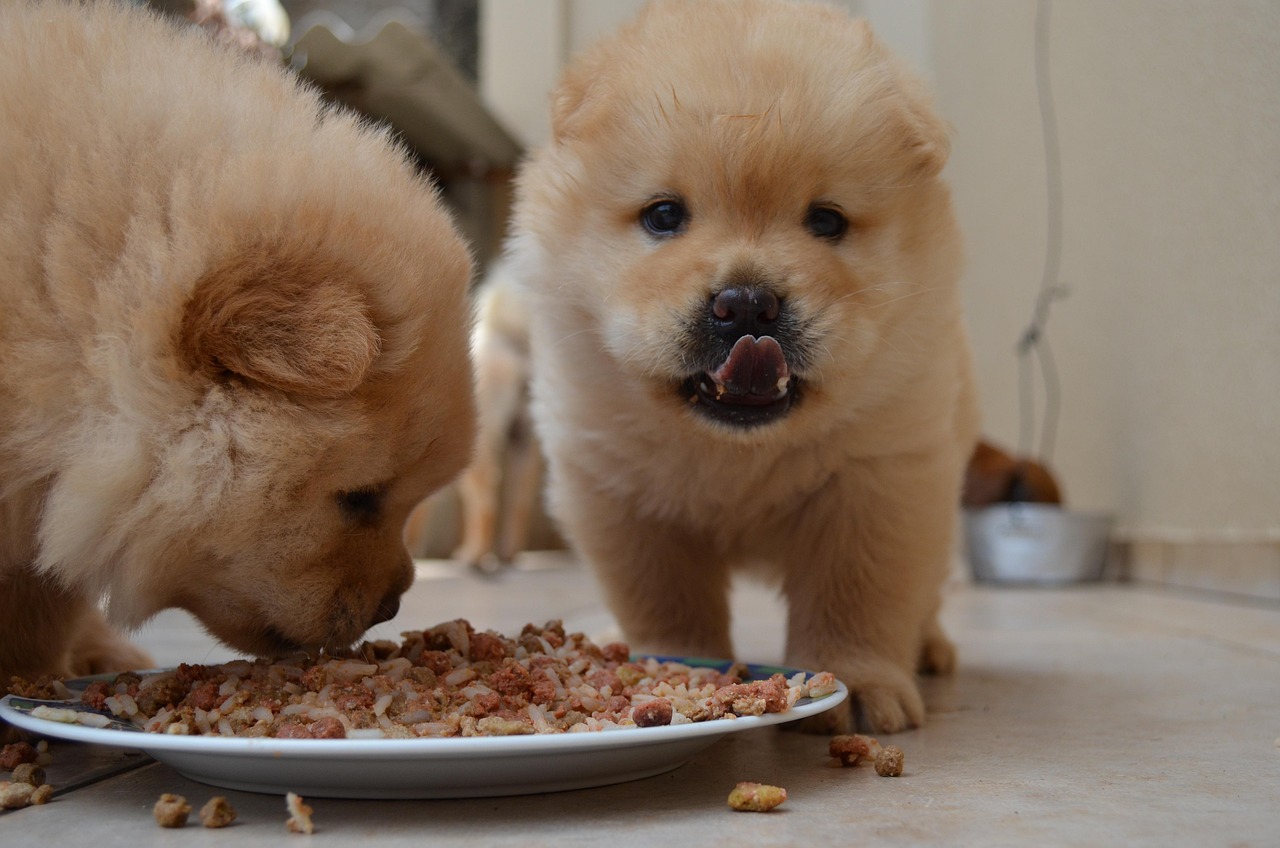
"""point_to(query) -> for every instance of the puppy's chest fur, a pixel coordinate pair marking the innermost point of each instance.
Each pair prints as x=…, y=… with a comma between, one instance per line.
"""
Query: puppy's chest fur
x=702, y=482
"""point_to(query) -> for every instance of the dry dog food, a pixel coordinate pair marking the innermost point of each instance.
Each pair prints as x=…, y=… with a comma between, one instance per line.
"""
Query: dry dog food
x=853, y=748
x=448, y=680
x=29, y=773
x=14, y=755
x=217, y=812
x=889, y=761
x=756, y=797
x=299, y=820
x=171, y=811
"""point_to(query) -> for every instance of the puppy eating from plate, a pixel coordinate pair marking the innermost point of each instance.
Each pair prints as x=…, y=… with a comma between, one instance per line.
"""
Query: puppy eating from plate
x=231, y=322
x=748, y=348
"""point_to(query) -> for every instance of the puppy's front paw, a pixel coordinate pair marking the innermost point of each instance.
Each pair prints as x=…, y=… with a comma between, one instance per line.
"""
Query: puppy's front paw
x=883, y=698
x=889, y=708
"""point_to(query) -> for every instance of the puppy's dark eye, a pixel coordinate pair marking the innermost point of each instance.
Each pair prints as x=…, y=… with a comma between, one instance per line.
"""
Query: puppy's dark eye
x=664, y=218
x=825, y=223
x=361, y=505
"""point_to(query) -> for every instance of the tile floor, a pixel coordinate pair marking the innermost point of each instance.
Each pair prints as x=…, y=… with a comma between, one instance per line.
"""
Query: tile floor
x=1093, y=715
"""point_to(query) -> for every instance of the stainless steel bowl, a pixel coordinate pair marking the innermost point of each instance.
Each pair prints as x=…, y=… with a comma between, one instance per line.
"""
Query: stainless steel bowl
x=1036, y=544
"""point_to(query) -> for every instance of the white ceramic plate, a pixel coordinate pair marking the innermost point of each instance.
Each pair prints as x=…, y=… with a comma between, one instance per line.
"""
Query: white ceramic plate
x=430, y=768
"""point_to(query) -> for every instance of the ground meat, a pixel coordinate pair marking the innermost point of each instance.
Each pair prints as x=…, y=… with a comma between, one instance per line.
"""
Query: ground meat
x=327, y=728
x=754, y=698
x=171, y=811
x=655, y=713
x=756, y=797
x=45, y=688
x=618, y=652
x=437, y=661
x=486, y=646
x=96, y=694
x=218, y=812
x=204, y=697
x=16, y=754
x=889, y=761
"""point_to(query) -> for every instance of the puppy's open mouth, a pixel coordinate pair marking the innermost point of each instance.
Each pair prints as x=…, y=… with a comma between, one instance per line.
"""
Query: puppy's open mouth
x=753, y=386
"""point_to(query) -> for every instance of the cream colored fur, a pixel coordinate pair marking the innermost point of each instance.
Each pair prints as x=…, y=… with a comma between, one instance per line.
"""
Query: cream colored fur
x=231, y=319
x=751, y=111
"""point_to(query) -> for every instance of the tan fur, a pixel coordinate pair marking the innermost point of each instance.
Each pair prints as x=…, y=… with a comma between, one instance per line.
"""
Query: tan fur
x=750, y=111
x=224, y=307
x=498, y=491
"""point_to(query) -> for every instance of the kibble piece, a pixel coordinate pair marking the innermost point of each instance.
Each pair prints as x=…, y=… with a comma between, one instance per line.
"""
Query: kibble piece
x=217, y=812
x=756, y=797
x=41, y=794
x=171, y=811
x=15, y=796
x=29, y=773
x=299, y=815
x=889, y=761
x=655, y=713
x=853, y=749
x=12, y=756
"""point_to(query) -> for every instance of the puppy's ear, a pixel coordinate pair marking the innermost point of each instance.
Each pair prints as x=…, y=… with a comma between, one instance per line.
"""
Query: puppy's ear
x=929, y=137
x=298, y=325
x=568, y=97
x=926, y=138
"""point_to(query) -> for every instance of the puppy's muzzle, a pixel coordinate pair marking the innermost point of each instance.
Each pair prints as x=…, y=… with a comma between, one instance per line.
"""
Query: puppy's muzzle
x=744, y=311
x=387, y=607
x=751, y=382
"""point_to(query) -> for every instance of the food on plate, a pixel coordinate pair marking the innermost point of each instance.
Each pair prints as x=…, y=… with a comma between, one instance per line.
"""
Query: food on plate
x=233, y=345
x=299, y=820
x=741, y=266
x=889, y=761
x=756, y=797
x=217, y=812
x=445, y=681
x=171, y=810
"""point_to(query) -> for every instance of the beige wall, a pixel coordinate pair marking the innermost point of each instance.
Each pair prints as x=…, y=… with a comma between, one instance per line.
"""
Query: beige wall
x=1169, y=115
x=1169, y=344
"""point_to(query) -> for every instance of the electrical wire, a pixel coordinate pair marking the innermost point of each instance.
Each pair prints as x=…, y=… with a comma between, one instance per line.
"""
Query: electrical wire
x=1033, y=340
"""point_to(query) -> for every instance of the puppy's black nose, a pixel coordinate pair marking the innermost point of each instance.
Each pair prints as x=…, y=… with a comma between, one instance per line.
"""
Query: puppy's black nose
x=744, y=311
x=387, y=608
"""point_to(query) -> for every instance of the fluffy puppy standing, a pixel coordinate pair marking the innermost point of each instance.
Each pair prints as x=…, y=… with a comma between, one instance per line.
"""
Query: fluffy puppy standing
x=747, y=338
x=231, y=322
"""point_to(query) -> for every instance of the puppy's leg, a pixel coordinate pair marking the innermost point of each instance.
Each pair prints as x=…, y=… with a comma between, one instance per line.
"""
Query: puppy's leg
x=478, y=499
x=524, y=480
x=97, y=647
x=863, y=583
x=666, y=587
x=502, y=397
x=37, y=622
x=938, y=653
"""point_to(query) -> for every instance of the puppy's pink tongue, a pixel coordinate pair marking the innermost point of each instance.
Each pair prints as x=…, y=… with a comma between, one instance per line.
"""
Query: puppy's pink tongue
x=755, y=367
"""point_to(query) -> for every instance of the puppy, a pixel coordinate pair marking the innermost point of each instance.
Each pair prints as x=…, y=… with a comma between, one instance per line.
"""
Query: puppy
x=498, y=492
x=993, y=475
x=230, y=339
x=747, y=339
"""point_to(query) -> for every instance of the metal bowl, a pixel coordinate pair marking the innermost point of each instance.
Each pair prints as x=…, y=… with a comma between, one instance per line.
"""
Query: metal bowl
x=1036, y=544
